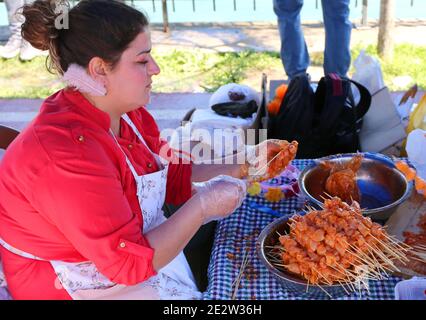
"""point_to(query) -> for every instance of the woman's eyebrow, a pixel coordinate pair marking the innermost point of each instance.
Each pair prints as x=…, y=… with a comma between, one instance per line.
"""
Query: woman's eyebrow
x=145, y=51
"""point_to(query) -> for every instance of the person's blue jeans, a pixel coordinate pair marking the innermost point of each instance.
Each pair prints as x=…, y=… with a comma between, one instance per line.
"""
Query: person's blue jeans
x=294, y=53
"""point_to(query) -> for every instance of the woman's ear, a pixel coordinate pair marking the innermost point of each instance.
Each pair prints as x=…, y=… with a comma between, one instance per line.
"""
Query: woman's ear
x=97, y=69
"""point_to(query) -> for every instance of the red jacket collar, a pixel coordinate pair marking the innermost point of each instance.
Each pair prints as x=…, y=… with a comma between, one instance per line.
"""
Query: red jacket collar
x=83, y=106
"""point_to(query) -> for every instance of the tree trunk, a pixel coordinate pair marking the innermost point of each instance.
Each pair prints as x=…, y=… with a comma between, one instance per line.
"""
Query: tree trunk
x=165, y=17
x=386, y=29
x=364, y=20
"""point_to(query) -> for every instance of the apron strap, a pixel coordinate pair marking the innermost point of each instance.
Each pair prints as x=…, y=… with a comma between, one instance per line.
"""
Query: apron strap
x=135, y=174
x=157, y=158
x=135, y=130
x=19, y=252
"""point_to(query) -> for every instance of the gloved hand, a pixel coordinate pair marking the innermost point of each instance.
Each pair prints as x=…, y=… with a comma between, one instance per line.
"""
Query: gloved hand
x=268, y=159
x=220, y=196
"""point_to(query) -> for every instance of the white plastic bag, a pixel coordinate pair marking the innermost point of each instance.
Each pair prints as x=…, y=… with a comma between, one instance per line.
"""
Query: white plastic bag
x=368, y=72
x=412, y=289
x=382, y=126
x=224, y=94
x=416, y=151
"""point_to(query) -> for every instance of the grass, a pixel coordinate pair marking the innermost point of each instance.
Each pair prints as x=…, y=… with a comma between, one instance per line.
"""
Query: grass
x=26, y=79
x=186, y=71
x=197, y=71
x=409, y=60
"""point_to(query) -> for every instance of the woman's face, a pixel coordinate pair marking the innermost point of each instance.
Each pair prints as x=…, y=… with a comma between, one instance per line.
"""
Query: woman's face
x=129, y=83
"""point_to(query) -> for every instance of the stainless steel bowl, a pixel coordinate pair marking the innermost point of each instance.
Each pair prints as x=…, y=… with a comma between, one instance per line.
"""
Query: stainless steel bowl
x=291, y=282
x=382, y=187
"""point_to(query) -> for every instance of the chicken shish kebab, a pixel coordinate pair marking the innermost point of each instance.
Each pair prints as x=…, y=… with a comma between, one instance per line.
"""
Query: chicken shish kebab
x=341, y=181
x=279, y=155
x=332, y=245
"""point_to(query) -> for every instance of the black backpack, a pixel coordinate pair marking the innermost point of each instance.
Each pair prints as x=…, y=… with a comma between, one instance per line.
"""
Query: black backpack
x=324, y=122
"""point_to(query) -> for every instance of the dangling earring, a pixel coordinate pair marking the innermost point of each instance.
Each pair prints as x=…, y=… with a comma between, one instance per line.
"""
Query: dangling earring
x=76, y=76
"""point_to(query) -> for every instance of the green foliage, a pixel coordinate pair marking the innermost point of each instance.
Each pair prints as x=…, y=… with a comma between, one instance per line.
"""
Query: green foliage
x=26, y=79
x=408, y=60
x=196, y=70
x=234, y=67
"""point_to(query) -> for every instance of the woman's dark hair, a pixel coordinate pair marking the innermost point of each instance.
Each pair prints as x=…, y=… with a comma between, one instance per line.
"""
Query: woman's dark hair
x=97, y=28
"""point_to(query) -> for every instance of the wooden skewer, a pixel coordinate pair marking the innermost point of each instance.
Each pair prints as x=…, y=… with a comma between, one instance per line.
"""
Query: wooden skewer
x=397, y=255
x=331, y=297
x=349, y=276
x=379, y=265
x=420, y=246
x=273, y=247
x=326, y=280
x=382, y=256
x=421, y=254
x=417, y=259
x=240, y=275
x=400, y=245
x=358, y=254
x=344, y=287
x=392, y=251
x=328, y=195
x=398, y=242
x=267, y=164
x=373, y=253
x=366, y=260
x=322, y=197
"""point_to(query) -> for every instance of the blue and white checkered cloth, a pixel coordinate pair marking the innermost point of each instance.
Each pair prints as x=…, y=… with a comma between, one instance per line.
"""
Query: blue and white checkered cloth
x=239, y=232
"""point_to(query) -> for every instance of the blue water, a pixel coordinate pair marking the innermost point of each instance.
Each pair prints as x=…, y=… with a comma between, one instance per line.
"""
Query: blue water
x=225, y=12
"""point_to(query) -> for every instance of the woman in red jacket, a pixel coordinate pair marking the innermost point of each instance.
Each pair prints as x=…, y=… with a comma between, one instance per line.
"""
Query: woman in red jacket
x=83, y=185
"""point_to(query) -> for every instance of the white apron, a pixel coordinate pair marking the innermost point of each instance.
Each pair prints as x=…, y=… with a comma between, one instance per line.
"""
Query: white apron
x=174, y=281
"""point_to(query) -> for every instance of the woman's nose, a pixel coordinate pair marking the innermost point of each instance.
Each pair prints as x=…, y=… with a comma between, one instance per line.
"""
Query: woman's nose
x=154, y=68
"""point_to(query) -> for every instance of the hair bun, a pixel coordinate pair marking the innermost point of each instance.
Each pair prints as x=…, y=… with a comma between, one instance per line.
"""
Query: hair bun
x=39, y=25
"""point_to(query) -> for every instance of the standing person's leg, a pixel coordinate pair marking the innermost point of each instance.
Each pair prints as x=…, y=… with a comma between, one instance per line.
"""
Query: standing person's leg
x=28, y=52
x=13, y=45
x=337, y=55
x=294, y=53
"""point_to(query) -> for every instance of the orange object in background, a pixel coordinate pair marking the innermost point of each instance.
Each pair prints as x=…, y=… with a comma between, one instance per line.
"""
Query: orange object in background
x=275, y=104
x=411, y=174
x=281, y=91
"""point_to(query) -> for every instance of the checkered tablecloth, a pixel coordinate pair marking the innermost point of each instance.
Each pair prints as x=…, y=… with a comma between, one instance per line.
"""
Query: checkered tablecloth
x=239, y=232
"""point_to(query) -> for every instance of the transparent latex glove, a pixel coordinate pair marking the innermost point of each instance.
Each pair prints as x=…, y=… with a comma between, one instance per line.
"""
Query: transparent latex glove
x=268, y=159
x=220, y=196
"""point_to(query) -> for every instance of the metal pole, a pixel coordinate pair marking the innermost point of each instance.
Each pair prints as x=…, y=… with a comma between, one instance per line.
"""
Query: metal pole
x=364, y=20
x=254, y=5
x=153, y=5
x=235, y=5
x=214, y=5
x=165, y=17
x=193, y=5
